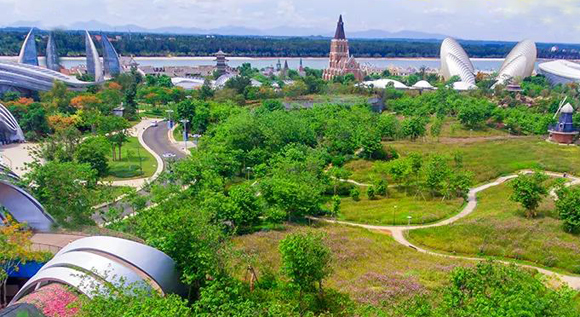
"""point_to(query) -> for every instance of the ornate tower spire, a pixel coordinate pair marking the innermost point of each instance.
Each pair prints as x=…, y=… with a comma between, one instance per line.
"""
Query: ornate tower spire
x=339, y=34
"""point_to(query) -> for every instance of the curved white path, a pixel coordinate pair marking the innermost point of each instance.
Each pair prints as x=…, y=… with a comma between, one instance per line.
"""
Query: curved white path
x=398, y=232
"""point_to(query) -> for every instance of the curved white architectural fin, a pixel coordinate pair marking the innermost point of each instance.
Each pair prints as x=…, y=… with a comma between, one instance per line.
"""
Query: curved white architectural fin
x=94, y=66
x=28, y=53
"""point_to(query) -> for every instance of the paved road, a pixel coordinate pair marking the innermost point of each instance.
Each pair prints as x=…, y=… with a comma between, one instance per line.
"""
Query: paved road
x=156, y=138
x=398, y=232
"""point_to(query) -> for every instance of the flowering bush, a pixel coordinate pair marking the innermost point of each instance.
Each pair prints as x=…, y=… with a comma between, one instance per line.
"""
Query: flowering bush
x=54, y=300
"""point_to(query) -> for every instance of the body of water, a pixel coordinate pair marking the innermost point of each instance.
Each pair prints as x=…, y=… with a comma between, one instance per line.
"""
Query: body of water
x=316, y=63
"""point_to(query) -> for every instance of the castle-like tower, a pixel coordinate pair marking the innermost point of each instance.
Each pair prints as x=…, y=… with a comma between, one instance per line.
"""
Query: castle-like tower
x=341, y=63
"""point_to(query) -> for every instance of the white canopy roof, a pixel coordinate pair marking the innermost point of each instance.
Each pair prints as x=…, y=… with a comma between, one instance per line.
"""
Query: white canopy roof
x=383, y=83
x=423, y=84
x=463, y=86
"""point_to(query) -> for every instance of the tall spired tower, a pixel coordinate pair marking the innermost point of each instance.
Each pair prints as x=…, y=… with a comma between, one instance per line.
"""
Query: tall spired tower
x=341, y=63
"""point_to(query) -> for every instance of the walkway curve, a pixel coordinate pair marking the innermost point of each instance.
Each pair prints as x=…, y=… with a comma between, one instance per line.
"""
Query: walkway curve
x=398, y=232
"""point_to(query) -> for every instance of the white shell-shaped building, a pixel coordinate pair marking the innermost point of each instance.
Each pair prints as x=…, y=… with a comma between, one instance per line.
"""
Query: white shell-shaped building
x=10, y=130
x=88, y=265
x=519, y=63
x=455, y=62
x=560, y=71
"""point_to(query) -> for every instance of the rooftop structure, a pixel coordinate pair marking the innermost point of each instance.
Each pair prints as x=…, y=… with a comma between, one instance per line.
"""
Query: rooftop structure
x=111, y=62
x=28, y=53
x=52, y=61
x=455, y=62
x=519, y=63
x=341, y=63
x=23, y=77
x=560, y=71
x=88, y=265
x=10, y=131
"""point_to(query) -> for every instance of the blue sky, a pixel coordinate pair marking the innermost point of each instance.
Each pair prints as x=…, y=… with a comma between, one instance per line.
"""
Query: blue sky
x=540, y=20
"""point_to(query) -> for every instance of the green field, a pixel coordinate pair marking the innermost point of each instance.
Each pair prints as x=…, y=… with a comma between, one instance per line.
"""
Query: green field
x=499, y=228
x=488, y=159
x=129, y=166
x=368, y=265
x=394, y=209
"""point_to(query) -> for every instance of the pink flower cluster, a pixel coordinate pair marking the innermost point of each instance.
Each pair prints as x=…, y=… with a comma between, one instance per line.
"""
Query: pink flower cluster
x=54, y=300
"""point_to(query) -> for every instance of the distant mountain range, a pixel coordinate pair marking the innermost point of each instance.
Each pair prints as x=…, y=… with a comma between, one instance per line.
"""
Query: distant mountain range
x=235, y=30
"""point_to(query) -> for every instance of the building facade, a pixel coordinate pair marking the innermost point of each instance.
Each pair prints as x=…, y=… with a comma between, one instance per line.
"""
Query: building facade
x=341, y=63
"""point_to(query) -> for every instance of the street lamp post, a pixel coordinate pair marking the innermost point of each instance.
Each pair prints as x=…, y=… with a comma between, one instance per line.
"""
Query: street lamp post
x=184, y=122
x=169, y=121
x=409, y=220
x=394, y=210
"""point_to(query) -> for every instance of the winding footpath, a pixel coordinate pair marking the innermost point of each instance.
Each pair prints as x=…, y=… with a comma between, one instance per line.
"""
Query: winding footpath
x=398, y=232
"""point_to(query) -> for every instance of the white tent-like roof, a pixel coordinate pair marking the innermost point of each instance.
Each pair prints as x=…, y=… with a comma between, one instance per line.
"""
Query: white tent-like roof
x=383, y=83
x=423, y=85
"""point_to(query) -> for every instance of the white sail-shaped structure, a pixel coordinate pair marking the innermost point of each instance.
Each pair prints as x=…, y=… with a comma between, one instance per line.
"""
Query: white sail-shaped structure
x=94, y=66
x=28, y=53
x=456, y=62
x=519, y=63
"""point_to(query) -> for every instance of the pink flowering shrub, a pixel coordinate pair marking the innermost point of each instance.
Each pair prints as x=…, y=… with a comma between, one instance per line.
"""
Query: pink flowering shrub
x=54, y=300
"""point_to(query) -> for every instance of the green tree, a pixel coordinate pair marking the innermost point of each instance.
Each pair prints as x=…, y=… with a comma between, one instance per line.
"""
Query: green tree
x=502, y=290
x=355, y=193
x=335, y=208
x=371, y=193
x=436, y=127
x=64, y=189
x=436, y=173
x=414, y=128
x=568, y=207
x=305, y=260
x=93, y=152
x=529, y=190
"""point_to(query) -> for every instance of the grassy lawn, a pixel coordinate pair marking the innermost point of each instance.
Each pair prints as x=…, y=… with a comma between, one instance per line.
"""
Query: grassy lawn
x=370, y=266
x=489, y=159
x=498, y=228
x=128, y=167
x=397, y=206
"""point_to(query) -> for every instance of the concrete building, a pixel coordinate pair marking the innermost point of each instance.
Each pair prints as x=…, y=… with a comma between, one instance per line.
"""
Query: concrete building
x=341, y=63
